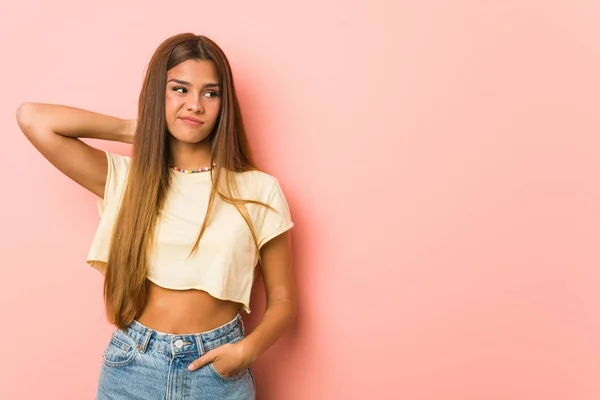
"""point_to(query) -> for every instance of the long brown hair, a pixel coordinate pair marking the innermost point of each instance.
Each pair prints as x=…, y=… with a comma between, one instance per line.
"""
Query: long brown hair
x=125, y=285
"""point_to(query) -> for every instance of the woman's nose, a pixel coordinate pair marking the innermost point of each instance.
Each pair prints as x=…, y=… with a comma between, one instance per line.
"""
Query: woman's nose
x=195, y=105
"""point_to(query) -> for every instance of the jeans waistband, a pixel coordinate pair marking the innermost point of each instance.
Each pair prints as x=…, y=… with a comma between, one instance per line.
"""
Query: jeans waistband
x=170, y=343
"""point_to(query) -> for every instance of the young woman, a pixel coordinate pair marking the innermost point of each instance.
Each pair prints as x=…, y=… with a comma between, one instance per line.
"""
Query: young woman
x=185, y=222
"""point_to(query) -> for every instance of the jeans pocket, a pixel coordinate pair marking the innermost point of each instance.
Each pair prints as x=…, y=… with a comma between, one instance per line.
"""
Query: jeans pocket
x=234, y=377
x=120, y=350
x=228, y=378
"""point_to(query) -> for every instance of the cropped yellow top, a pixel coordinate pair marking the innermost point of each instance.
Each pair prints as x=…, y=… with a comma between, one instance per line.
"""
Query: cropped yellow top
x=224, y=264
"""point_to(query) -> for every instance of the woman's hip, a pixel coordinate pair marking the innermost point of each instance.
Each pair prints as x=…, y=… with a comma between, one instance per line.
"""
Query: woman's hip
x=140, y=363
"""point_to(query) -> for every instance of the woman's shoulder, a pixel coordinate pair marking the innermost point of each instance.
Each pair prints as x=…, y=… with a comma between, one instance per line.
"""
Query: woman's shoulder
x=118, y=161
x=256, y=177
x=257, y=181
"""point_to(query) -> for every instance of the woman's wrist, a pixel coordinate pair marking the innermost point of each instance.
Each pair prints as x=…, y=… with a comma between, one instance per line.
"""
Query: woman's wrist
x=127, y=131
x=250, y=351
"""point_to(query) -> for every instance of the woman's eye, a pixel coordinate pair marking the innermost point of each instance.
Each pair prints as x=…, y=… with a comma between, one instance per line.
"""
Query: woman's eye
x=180, y=89
x=213, y=94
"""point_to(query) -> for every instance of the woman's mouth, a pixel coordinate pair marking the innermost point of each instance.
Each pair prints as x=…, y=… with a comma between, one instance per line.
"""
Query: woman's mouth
x=191, y=121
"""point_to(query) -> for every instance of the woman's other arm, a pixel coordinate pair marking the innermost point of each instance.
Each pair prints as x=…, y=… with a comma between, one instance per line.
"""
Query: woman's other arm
x=54, y=130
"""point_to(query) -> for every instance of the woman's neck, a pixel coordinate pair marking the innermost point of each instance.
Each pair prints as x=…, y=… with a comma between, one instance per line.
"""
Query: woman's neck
x=190, y=156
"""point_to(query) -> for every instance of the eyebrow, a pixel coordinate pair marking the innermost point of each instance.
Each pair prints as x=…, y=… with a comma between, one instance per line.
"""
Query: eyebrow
x=206, y=85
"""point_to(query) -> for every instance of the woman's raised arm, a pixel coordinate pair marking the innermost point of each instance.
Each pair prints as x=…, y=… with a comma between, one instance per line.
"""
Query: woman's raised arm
x=54, y=130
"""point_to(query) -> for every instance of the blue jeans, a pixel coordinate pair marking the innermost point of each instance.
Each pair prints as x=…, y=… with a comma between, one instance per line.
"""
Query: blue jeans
x=141, y=363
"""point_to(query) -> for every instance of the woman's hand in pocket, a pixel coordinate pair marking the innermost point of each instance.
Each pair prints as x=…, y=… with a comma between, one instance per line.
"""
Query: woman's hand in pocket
x=228, y=360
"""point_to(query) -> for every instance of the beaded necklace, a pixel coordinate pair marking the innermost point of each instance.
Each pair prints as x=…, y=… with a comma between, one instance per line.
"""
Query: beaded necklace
x=190, y=171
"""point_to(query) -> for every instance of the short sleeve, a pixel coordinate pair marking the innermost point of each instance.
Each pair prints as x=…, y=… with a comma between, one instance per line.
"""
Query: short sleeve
x=273, y=223
x=116, y=177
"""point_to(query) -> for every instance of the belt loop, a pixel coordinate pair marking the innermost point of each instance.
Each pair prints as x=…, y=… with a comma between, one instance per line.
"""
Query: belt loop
x=239, y=318
x=145, y=340
x=200, y=344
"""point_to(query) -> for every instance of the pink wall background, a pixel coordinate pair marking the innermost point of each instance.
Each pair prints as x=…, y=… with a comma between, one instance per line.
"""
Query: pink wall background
x=441, y=160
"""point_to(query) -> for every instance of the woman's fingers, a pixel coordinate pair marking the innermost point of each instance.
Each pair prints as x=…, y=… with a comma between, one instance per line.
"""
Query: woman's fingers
x=202, y=361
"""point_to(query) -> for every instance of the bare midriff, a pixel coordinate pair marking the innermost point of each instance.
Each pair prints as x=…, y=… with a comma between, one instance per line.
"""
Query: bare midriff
x=185, y=311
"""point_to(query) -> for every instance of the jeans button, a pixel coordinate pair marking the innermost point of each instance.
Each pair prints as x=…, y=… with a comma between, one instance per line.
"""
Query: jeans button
x=179, y=343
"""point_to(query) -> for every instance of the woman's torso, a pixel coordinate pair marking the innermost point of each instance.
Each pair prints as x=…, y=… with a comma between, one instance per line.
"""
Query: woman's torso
x=224, y=265
x=185, y=311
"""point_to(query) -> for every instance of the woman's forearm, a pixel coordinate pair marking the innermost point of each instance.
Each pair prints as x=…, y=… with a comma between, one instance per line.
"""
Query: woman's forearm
x=75, y=122
x=277, y=317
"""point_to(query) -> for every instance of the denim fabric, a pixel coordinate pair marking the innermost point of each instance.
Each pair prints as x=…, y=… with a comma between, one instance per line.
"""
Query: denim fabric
x=143, y=364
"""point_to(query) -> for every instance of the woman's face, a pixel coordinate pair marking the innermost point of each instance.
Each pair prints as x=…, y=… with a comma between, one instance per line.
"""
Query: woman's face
x=193, y=100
